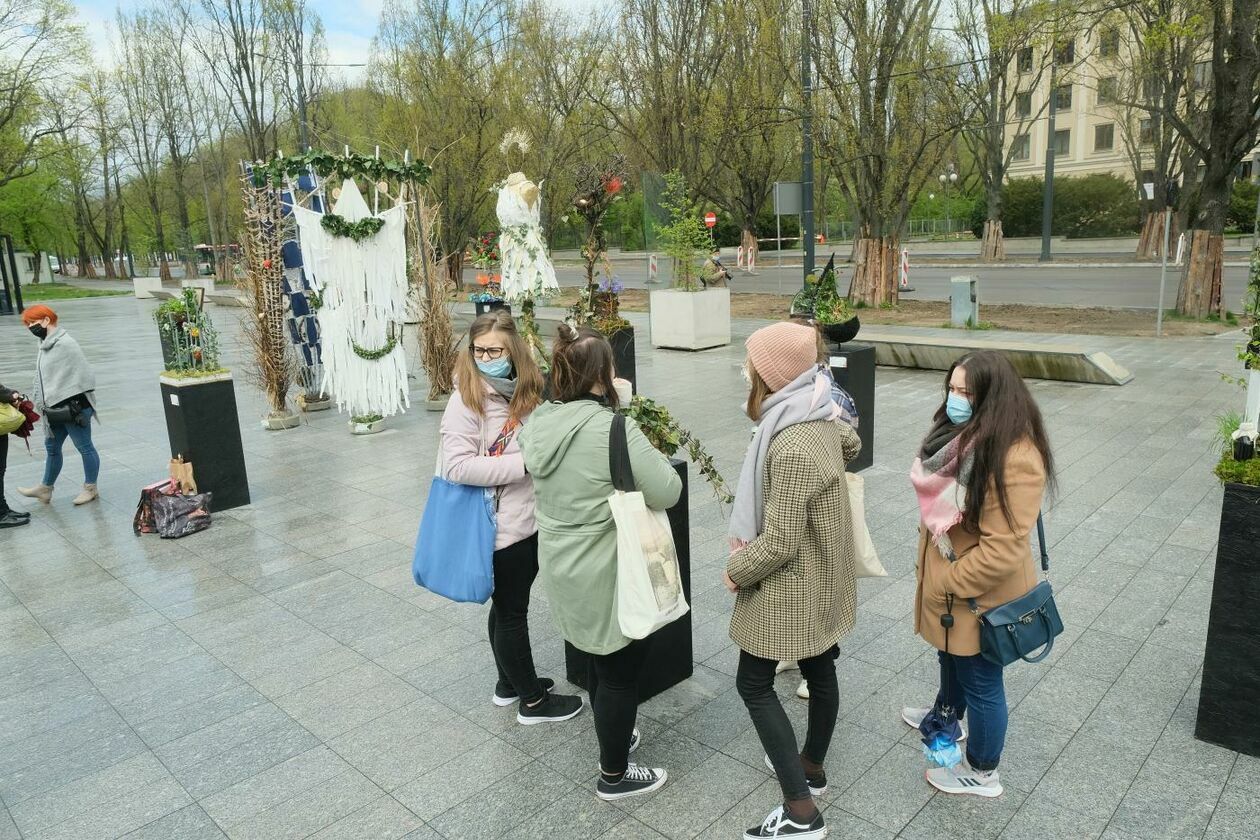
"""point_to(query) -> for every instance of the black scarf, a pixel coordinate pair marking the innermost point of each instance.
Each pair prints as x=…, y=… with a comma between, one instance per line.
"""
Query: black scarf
x=941, y=433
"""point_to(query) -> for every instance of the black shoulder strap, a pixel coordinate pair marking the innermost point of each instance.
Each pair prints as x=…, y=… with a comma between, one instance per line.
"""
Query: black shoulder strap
x=1041, y=543
x=619, y=455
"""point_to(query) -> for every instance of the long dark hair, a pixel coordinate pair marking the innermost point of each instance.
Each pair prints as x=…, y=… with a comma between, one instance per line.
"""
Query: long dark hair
x=1003, y=413
x=581, y=359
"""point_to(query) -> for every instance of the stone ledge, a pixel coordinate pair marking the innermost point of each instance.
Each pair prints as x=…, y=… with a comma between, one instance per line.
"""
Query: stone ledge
x=1064, y=362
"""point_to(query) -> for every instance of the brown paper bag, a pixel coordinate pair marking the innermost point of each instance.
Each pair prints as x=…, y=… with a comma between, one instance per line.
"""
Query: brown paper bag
x=182, y=474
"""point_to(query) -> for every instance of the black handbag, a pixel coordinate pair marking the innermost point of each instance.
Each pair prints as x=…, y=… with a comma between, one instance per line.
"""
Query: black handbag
x=63, y=413
x=1016, y=629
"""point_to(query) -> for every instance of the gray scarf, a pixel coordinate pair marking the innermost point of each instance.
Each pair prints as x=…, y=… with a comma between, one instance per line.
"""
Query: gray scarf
x=505, y=388
x=805, y=399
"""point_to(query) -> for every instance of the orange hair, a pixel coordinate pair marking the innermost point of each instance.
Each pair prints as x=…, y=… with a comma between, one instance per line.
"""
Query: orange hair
x=38, y=313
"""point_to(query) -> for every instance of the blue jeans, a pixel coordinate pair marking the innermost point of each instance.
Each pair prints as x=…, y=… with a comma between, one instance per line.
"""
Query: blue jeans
x=82, y=437
x=973, y=686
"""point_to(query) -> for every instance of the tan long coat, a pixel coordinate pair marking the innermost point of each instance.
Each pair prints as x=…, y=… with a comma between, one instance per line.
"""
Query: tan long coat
x=994, y=566
x=797, y=586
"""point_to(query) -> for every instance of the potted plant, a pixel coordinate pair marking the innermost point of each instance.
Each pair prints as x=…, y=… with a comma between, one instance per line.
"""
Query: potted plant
x=483, y=252
x=692, y=315
x=832, y=312
x=368, y=424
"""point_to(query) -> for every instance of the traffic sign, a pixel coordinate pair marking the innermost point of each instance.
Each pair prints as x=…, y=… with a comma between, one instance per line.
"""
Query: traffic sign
x=710, y=219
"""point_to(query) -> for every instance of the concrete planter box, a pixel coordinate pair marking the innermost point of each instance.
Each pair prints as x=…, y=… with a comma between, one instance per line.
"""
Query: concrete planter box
x=372, y=428
x=280, y=422
x=691, y=320
x=313, y=405
x=144, y=287
x=206, y=283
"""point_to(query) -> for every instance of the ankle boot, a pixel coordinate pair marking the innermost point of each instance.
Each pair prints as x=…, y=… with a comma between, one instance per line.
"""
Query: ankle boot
x=89, y=494
x=43, y=492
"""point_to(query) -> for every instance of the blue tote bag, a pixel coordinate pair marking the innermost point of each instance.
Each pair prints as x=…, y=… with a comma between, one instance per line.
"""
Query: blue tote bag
x=455, y=548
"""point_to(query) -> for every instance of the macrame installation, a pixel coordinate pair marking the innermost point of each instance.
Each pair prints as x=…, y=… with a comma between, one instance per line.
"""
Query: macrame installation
x=527, y=272
x=362, y=284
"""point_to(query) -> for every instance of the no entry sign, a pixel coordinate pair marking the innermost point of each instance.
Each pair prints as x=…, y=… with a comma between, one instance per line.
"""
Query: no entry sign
x=710, y=219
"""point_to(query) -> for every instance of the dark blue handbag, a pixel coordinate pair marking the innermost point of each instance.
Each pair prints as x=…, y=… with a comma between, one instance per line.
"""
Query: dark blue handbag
x=455, y=548
x=1016, y=629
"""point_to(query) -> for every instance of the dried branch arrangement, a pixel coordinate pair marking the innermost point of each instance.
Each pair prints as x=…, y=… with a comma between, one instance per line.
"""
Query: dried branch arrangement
x=263, y=323
x=429, y=285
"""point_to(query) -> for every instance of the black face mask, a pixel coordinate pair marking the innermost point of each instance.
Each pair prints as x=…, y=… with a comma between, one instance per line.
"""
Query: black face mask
x=39, y=331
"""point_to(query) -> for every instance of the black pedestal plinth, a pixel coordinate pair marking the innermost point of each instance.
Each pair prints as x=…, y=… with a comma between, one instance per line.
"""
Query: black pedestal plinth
x=203, y=427
x=853, y=366
x=484, y=307
x=622, y=342
x=1231, y=661
x=669, y=657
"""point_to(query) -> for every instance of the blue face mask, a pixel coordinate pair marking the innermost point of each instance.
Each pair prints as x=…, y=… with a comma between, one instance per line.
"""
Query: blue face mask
x=958, y=409
x=499, y=368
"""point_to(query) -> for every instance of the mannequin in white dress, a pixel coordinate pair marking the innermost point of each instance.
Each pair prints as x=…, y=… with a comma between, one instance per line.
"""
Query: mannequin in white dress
x=526, y=267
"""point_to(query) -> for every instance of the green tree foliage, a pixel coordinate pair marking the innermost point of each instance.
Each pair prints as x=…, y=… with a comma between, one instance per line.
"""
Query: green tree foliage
x=1086, y=206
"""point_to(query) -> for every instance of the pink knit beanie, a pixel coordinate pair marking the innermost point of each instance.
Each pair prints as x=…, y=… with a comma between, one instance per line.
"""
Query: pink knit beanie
x=782, y=352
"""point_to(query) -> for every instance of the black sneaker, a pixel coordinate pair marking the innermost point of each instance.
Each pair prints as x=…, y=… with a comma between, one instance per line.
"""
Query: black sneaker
x=817, y=782
x=505, y=694
x=552, y=709
x=14, y=519
x=635, y=782
x=780, y=824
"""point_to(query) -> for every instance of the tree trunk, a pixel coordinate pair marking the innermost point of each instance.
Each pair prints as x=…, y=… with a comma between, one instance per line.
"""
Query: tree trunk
x=455, y=268
x=1151, y=242
x=993, y=245
x=875, y=274
x=39, y=268
x=748, y=239
x=1200, y=293
x=86, y=269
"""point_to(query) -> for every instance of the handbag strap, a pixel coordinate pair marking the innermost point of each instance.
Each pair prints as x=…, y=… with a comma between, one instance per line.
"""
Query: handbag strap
x=1045, y=558
x=619, y=455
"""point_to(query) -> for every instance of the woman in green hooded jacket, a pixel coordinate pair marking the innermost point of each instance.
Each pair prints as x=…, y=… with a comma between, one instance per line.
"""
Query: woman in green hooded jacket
x=565, y=446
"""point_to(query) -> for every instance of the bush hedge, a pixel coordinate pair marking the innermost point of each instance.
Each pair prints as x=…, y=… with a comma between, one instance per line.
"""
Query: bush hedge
x=1242, y=206
x=1084, y=206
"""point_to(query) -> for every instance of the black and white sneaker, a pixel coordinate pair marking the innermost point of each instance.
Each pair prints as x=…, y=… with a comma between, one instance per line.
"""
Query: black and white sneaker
x=505, y=695
x=780, y=824
x=817, y=782
x=553, y=709
x=635, y=782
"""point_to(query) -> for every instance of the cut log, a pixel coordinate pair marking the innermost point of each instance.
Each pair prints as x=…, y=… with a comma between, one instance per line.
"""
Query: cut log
x=993, y=245
x=1200, y=292
x=876, y=271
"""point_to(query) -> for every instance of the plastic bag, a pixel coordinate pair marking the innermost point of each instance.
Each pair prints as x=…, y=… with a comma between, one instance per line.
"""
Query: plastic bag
x=178, y=516
x=142, y=522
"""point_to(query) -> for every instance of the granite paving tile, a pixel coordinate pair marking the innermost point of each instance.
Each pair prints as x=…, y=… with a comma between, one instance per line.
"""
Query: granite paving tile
x=468, y=774
x=684, y=807
x=54, y=800
x=963, y=816
x=383, y=818
x=892, y=792
x=1040, y=817
x=311, y=810
x=117, y=817
x=188, y=823
x=516, y=798
x=274, y=785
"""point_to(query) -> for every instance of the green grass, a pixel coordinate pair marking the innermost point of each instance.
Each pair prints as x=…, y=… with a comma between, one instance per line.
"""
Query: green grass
x=63, y=291
x=983, y=325
x=1228, y=318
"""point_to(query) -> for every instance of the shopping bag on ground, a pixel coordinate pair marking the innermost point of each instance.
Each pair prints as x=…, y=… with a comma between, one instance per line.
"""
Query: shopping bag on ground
x=649, y=582
x=865, y=559
x=182, y=474
x=178, y=515
x=142, y=522
x=454, y=554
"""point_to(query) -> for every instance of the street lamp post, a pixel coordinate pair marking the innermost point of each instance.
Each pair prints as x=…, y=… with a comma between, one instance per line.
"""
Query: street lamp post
x=946, y=178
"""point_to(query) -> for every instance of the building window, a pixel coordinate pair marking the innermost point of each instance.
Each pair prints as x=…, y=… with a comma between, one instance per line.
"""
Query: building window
x=1063, y=98
x=1065, y=53
x=1146, y=131
x=1104, y=137
x=1202, y=75
x=1062, y=142
x=1109, y=42
x=1022, y=147
x=1107, y=89
x=1023, y=104
x=1025, y=60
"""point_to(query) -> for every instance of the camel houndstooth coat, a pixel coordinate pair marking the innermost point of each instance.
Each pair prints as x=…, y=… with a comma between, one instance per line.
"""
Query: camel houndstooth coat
x=797, y=587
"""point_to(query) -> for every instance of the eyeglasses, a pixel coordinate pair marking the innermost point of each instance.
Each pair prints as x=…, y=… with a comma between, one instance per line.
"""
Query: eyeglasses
x=491, y=354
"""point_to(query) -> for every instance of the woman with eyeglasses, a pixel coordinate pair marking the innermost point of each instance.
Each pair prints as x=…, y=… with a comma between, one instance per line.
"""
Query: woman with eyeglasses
x=497, y=386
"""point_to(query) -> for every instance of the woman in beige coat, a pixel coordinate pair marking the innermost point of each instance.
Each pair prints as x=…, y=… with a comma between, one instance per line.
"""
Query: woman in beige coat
x=791, y=567
x=980, y=477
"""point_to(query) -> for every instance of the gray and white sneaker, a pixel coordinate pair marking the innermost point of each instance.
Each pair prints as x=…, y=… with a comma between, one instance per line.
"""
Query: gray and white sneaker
x=914, y=717
x=963, y=778
x=635, y=782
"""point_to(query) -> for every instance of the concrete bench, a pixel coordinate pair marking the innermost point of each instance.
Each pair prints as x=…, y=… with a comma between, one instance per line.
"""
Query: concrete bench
x=144, y=287
x=226, y=298
x=161, y=294
x=1065, y=362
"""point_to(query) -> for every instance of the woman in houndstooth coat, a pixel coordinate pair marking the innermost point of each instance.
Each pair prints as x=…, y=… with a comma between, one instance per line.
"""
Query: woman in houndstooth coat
x=791, y=566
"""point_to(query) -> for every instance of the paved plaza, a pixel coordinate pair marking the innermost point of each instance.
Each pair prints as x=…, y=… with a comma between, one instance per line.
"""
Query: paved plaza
x=280, y=676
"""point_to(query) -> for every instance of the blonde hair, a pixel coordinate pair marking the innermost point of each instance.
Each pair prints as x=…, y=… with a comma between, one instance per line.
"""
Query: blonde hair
x=529, y=381
x=757, y=393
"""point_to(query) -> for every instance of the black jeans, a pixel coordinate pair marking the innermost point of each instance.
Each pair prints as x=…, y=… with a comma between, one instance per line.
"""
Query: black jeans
x=4, y=462
x=515, y=568
x=755, y=682
x=612, y=681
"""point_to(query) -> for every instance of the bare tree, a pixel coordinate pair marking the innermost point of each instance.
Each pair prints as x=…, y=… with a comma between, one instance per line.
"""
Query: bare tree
x=1227, y=131
x=234, y=47
x=301, y=54
x=890, y=122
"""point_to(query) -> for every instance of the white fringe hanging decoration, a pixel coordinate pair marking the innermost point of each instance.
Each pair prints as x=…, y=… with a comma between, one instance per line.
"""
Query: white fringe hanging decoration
x=364, y=289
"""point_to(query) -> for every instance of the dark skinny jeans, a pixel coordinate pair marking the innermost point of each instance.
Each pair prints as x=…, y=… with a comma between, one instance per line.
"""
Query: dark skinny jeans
x=515, y=567
x=755, y=682
x=612, y=681
x=4, y=462
x=973, y=686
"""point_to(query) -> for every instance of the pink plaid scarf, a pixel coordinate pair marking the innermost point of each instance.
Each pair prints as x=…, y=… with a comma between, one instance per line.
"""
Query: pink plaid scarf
x=940, y=481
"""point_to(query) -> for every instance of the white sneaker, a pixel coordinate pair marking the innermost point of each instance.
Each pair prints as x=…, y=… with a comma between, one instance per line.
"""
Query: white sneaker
x=914, y=717
x=802, y=690
x=786, y=666
x=961, y=778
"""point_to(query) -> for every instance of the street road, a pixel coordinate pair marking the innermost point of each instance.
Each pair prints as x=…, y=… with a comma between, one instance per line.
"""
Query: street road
x=1049, y=285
